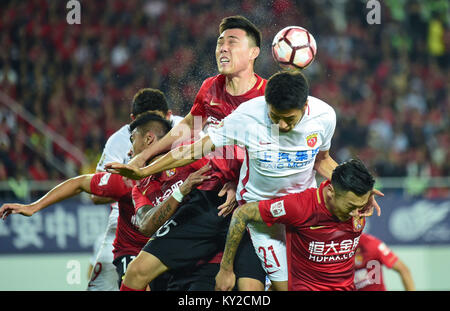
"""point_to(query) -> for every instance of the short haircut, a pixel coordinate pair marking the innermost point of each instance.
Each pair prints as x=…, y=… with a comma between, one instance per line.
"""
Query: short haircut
x=150, y=122
x=149, y=99
x=353, y=176
x=243, y=23
x=287, y=90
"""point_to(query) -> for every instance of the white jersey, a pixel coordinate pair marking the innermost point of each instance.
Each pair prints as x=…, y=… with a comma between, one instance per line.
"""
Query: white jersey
x=275, y=163
x=116, y=148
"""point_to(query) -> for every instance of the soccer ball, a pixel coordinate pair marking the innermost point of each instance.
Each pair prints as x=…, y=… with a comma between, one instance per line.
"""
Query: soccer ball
x=294, y=47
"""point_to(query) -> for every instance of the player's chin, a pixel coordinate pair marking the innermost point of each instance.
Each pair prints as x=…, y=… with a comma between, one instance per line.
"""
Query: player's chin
x=225, y=69
x=285, y=130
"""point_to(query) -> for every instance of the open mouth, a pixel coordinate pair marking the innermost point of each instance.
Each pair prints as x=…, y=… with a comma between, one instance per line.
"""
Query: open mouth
x=224, y=60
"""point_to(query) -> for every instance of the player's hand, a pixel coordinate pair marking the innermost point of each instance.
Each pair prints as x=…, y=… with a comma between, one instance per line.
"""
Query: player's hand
x=15, y=208
x=231, y=203
x=371, y=204
x=126, y=170
x=195, y=179
x=225, y=280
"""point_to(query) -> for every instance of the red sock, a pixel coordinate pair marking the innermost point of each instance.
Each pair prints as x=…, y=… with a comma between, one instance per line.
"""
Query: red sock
x=125, y=288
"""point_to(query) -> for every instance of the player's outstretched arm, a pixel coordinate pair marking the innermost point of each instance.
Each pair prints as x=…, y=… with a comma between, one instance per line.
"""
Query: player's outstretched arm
x=324, y=164
x=63, y=191
x=155, y=217
x=225, y=279
x=180, y=156
x=405, y=275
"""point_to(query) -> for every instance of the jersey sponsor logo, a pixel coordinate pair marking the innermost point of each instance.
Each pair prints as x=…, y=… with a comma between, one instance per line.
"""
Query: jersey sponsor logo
x=332, y=251
x=277, y=209
x=104, y=180
x=311, y=140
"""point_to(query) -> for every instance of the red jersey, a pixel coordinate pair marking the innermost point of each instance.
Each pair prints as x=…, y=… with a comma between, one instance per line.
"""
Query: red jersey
x=128, y=241
x=214, y=103
x=371, y=254
x=153, y=190
x=320, y=247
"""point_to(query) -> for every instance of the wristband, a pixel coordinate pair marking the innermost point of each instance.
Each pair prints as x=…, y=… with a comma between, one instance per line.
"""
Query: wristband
x=177, y=195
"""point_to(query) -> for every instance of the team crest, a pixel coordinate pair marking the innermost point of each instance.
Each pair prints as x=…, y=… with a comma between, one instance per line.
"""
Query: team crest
x=311, y=140
x=171, y=172
x=358, y=223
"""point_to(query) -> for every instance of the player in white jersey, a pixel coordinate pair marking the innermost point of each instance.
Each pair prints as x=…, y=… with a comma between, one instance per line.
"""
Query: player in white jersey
x=117, y=149
x=287, y=135
x=280, y=159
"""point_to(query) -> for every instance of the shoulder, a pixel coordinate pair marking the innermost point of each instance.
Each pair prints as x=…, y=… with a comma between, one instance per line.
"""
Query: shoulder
x=366, y=238
x=319, y=107
x=121, y=135
x=208, y=82
x=252, y=106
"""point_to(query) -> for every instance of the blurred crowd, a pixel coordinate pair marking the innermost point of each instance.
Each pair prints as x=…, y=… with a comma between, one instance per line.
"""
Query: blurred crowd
x=389, y=82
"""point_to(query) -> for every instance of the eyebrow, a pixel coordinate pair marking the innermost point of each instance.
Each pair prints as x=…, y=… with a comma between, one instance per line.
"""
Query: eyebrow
x=284, y=117
x=229, y=36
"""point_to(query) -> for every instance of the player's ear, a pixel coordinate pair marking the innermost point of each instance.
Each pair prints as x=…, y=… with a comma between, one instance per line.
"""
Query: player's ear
x=254, y=52
x=132, y=117
x=169, y=114
x=149, y=138
x=330, y=192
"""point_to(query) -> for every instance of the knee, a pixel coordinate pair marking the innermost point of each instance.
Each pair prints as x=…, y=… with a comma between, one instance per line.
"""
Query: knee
x=144, y=268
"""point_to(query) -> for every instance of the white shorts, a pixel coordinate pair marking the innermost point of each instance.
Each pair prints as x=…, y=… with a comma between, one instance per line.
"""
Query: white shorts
x=104, y=275
x=270, y=245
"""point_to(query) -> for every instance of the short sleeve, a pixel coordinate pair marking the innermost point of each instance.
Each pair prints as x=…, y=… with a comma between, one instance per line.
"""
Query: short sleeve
x=385, y=254
x=288, y=210
x=232, y=130
x=109, y=185
x=139, y=199
x=198, y=108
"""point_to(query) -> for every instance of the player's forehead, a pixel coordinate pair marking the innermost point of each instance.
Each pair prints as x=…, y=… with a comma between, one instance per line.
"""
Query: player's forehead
x=356, y=200
x=233, y=33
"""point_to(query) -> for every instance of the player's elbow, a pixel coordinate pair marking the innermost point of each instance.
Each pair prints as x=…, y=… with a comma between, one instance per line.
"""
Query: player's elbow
x=401, y=268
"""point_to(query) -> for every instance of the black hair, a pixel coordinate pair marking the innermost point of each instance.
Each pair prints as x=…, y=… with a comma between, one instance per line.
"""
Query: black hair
x=149, y=99
x=287, y=90
x=148, y=121
x=243, y=23
x=353, y=176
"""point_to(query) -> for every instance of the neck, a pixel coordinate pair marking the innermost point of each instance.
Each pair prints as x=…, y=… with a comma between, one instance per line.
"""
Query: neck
x=241, y=83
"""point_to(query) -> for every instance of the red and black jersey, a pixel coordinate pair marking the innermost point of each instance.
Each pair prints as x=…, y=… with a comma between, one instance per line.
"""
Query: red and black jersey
x=128, y=241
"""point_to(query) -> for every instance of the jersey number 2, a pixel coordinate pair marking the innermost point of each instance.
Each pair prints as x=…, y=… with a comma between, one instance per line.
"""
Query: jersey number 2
x=264, y=253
